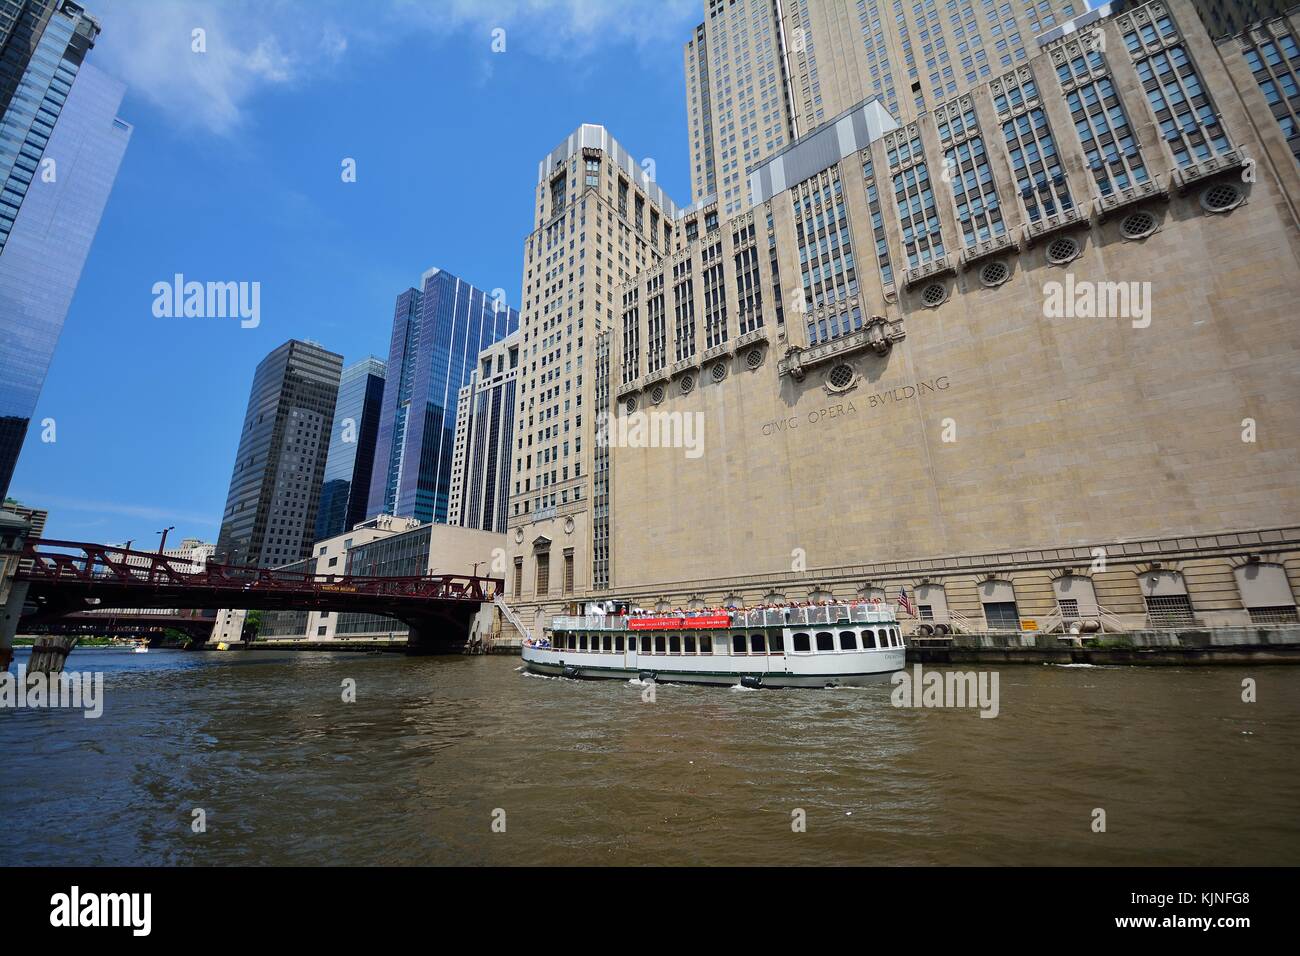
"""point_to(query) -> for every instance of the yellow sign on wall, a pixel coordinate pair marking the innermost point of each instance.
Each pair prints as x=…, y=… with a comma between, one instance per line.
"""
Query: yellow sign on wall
x=1028, y=624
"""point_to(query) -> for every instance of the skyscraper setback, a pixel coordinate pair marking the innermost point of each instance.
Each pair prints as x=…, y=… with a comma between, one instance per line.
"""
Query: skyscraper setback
x=438, y=332
x=760, y=73
x=275, y=486
x=351, y=459
x=61, y=143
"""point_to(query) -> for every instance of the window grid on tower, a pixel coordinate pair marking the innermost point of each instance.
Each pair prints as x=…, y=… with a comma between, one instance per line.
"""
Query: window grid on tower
x=1274, y=59
x=1183, y=109
x=914, y=197
x=1110, y=147
x=1031, y=148
x=968, y=172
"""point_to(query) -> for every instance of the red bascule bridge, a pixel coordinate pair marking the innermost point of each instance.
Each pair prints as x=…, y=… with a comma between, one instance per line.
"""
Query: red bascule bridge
x=68, y=579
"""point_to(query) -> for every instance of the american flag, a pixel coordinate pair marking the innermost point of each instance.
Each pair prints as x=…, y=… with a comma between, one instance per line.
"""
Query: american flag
x=904, y=603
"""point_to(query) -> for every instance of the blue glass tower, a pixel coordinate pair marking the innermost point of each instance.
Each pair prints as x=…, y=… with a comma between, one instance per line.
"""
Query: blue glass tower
x=61, y=143
x=351, y=460
x=438, y=332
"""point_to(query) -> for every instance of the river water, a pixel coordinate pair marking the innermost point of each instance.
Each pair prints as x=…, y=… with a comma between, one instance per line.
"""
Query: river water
x=434, y=750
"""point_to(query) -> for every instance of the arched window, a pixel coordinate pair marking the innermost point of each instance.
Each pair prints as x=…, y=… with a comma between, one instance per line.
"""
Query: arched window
x=931, y=603
x=1166, y=599
x=999, y=600
x=1266, y=593
x=1075, y=597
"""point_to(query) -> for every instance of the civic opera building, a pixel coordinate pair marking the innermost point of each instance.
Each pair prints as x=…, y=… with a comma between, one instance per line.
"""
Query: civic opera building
x=1031, y=356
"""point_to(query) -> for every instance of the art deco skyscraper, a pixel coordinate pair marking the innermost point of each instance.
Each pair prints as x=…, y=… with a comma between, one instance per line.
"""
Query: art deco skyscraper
x=438, y=332
x=760, y=73
x=350, y=464
x=275, y=487
x=598, y=221
x=61, y=143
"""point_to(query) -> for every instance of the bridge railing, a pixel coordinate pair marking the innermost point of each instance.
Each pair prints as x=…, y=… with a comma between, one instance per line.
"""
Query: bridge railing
x=91, y=564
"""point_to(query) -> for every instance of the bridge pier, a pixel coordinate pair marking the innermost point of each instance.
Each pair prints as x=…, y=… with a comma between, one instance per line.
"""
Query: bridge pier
x=443, y=632
x=9, y=615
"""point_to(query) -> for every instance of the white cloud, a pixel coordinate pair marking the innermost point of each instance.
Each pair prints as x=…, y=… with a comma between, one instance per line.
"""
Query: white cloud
x=255, y=45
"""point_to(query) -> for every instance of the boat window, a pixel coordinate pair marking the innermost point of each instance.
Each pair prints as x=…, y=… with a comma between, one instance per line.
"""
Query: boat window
x=645, y=643
x=868, y=638
x=756, y=644
x=618, y=643
x=689, y=641
x=848, y=641
x=582, y=643
x=608, y=643
x=801, y=642
x=660, y=644
x=825, y=641
x=675, y=644
x=737, y=643
x=776, y=643
x=898, y=635
x=706, y=644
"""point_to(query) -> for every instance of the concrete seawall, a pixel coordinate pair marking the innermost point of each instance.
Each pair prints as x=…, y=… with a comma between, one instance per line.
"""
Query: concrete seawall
x=1264, y=644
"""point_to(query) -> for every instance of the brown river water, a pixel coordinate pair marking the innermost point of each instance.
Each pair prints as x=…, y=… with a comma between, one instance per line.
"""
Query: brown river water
x=435, y=751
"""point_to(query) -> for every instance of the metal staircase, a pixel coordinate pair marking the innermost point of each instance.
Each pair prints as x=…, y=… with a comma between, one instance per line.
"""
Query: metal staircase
x=509, y=613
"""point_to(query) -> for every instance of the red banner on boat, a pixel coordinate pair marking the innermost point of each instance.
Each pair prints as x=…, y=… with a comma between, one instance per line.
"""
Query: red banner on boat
x=677, y=623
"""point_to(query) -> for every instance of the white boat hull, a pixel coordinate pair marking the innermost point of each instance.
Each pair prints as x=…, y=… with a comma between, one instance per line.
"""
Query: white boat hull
x=840, y=669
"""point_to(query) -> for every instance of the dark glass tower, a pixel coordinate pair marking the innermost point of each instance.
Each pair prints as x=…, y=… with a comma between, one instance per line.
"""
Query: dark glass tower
x=270, y=512
x=61, y=144
x=438, y=332
x=351, y=460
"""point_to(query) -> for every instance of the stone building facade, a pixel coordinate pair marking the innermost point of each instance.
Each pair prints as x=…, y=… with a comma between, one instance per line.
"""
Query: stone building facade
x=1029, y=358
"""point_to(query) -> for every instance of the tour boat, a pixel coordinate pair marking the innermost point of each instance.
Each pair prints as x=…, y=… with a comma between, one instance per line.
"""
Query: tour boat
x=826, y=645
x=141, y=648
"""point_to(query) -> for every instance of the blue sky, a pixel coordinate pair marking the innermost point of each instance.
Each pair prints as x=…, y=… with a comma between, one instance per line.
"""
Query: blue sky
x=233, y=174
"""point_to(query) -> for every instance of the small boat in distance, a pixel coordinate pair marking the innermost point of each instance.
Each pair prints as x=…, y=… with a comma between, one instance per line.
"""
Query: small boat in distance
x=816, y=645
x=141, y=647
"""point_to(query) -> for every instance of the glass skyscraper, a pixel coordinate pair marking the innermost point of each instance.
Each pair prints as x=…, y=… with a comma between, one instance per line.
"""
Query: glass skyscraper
x=438, y=332
x=61, y=143
x=351, y=460
x=275, y=485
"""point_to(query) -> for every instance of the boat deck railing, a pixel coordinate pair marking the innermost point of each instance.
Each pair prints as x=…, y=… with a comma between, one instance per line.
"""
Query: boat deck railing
x=755, y=617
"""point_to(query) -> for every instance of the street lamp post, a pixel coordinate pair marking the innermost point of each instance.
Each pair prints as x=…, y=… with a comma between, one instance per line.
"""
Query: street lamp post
x=163, y=542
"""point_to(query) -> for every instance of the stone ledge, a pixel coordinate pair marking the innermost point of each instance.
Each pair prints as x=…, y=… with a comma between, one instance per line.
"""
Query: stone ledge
x=878, y=335
x=941, y=266
x=1130, y=196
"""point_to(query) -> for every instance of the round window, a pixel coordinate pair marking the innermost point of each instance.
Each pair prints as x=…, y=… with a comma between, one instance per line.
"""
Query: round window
x=754, y=358
x=1063, y=250
x=719, y=371
x=1221, y=197
x=630, y=405
x=840, y=377
x=657, y=395
x=1138, y=225
x=687, y=383
x=934, y=294
x=995, y=273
